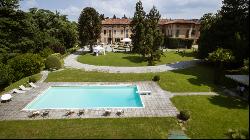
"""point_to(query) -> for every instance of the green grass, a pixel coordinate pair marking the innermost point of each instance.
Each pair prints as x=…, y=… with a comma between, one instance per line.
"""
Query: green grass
x=131, y=60
x=194, y=79
x=21, y=82
x=212, y=116
x=121, y=128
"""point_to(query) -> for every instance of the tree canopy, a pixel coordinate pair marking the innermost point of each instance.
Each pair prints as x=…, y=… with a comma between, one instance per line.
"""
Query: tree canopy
x=227, y=29
x=146, y=37
x=89, y=26
x=25, y=36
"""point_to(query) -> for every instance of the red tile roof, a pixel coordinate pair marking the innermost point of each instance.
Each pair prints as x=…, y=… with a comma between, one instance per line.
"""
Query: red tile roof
x=161, y=22
x=116, y=21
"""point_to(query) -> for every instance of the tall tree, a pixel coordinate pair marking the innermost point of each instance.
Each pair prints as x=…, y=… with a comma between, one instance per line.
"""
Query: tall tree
x=227, y=29
x=124, y=17
x=154, y=38
x=138, y=28
x=102, y=16
x=114, y=17
x=89, y=27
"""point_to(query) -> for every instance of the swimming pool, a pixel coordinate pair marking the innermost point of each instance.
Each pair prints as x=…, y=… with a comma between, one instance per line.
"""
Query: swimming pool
x=81, y=97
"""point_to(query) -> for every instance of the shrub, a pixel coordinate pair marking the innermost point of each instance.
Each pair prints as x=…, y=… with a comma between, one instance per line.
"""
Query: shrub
x=32, y=79
x=53, y=62
x=6, y=74
x=184, y=115
x=46, y=52
x=238, y=134
x=72, y=50
x=156, y=78
x=25, y=65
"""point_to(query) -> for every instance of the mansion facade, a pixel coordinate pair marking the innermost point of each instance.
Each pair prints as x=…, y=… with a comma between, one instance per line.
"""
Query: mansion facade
x=115, y=30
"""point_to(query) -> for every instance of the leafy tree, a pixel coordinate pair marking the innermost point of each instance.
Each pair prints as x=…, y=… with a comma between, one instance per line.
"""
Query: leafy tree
x=114, y=17
x=12, y=4
x=102, y=16
x=89, y=27
x=138, y=29
x=220, y=57
x=228, y=29
x=154, y=38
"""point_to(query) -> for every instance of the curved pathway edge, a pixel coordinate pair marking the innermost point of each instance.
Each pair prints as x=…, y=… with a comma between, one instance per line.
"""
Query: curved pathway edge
x=71, y=62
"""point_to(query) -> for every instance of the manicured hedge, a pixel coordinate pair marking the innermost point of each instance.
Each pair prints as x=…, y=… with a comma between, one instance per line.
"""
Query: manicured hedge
x=25, y=65
x=174, y=43
x=53, y=62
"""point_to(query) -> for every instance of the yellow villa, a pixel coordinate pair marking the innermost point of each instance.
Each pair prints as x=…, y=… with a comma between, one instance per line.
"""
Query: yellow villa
x=114, y=30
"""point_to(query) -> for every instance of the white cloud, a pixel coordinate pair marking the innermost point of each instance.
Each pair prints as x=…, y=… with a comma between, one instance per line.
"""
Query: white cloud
x=167, y=8
x=70, y=11
x=31, y=3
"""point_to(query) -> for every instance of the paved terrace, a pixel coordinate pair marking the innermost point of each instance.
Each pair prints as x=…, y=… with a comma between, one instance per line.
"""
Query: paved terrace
x=71, y=62
x=157, y=104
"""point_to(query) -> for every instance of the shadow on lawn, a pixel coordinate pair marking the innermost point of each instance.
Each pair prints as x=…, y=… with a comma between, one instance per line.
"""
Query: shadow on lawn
x=187, y=54
x=134, y=59
x=228, y=102
x=201, y=75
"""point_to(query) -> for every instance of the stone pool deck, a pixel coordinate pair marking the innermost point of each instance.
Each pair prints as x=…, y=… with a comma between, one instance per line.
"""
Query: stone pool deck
x=157, y=104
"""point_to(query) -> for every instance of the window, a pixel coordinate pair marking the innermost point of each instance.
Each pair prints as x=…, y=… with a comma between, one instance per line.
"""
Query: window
x=177, y=33
x=104, y=31
x=127, y=31
x=178, y=26
x=121, y=32
x=114, y=31
x=117, y=39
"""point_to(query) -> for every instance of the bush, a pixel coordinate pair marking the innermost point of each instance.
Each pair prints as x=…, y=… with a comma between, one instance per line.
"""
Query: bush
x=6, y=74
x=174, y=43
x=32, y=79
x=184, y=115
x=238, y=134
x=156, y=78
x=25, y=65
x=72, y=50
x=53, y=62
x=46, y=52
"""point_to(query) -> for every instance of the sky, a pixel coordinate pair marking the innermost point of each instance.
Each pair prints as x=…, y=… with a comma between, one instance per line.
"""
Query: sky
x=174, y=9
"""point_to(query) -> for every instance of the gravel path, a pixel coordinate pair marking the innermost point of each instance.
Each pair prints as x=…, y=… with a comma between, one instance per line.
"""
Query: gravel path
x=71, y=62
x=44, y=76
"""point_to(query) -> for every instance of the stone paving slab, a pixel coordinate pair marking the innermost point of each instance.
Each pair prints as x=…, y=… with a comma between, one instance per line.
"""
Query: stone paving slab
x=157, y=104
x=194, y=93
x=71, y=62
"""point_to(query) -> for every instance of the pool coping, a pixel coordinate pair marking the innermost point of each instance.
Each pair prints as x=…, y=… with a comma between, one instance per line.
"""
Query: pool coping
x=157, y=104
x=101, y=108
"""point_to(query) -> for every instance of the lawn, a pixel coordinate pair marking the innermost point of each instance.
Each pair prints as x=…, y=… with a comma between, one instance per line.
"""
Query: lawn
x=121, y=128
x=194, y=79
x=23, y=81
x=212, y=116
x=132, y=60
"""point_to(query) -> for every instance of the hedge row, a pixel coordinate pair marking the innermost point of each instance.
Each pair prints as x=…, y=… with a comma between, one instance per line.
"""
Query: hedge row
x=174, y=43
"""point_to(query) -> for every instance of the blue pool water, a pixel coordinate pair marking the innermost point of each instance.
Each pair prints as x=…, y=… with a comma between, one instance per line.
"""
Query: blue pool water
x=77, y=97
